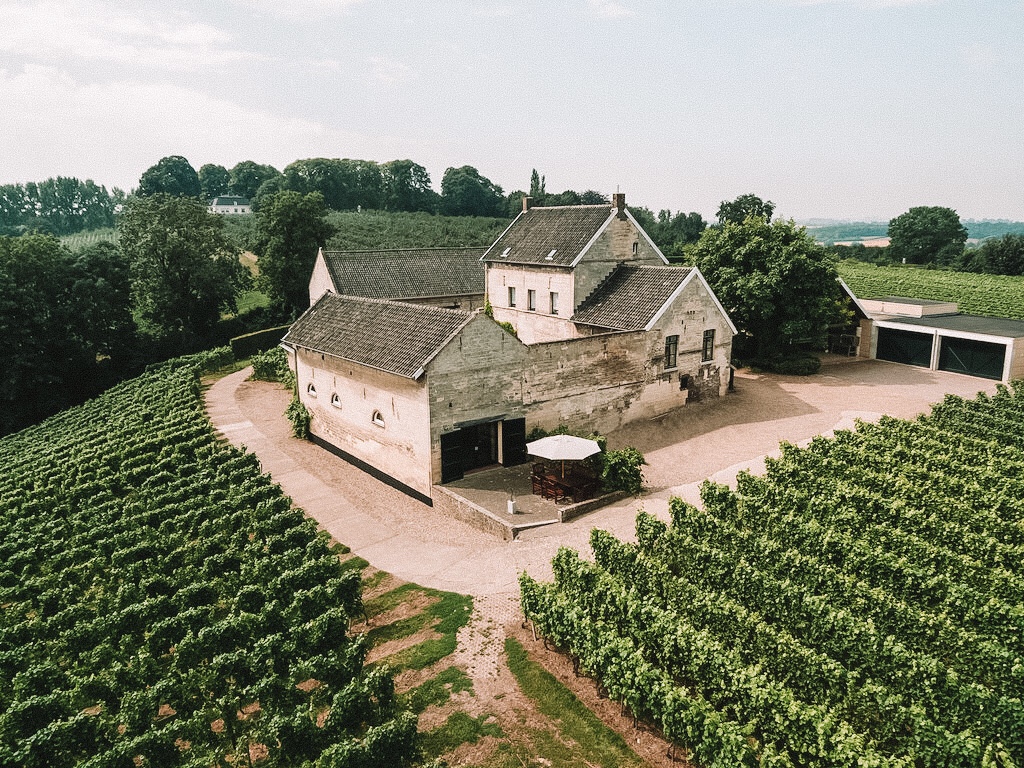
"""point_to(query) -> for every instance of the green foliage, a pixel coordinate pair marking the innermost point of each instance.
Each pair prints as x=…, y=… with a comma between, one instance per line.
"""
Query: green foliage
x=439, y=689
x=291, y=228
x=459, y=729
x=67, y=327
x=299, y=417
x=80, y=240
x=272, y=365
x=795, y=364
x=173, y=176
x=847, y=230
x=247, y=176
x=597, y=743
x=622, y=470
x=927, y=235
x=997, y=256
x=378, y=229
x=743, y=207
x=258, y=341
x=864, y=591
x=776, y=283
x=447, y=614
x=214, y=180
x=991, y=295
x=464, y=192
x=184, y=589
x=58, y=206
x=407, y=187
x=183, y=270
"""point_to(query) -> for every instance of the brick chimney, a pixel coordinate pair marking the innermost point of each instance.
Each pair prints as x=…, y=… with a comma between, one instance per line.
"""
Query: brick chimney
x=619, y=202
x=527, y=203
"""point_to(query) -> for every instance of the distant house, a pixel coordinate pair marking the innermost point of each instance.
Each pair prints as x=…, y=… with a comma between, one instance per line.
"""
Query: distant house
x=605, y=332
x=933, y=334
x=230, y=205
x=445, y=277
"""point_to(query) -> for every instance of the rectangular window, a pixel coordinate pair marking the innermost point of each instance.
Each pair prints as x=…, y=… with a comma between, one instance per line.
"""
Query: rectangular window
x=511, y=296
x=554, y=302
x=531, y=300
x=707, y=351
x=671, y=347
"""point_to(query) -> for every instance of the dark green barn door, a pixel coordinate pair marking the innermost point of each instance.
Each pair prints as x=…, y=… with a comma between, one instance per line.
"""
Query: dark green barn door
x=975, y=358
x=452, y=450
x=513, y=442
x=905, y=347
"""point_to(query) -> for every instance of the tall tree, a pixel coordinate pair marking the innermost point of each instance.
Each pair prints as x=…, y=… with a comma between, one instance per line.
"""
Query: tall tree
x=407, y=187
x=247, y=176
x=778, y=285
x=997, y=256
x=65, y=325
x=736, y=211
x=291, y=227
x=464, y=192
x=927, y=235
x=184, y=271
x=214, y=180
x=172, y=175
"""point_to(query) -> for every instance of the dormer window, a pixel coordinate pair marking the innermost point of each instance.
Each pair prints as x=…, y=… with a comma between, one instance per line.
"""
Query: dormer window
x=551, y=255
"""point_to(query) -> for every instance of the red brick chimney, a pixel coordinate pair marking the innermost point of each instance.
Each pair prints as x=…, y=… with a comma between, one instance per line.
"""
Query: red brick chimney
x=527, y=203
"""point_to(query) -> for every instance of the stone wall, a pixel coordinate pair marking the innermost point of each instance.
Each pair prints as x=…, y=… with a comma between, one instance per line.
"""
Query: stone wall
x=477, y=377
x=347, y=395
x=540, y=324
x=614, y=246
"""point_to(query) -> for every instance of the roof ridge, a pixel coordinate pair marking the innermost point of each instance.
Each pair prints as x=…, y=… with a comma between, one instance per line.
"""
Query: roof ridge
x=394, y=302
x=408, y=250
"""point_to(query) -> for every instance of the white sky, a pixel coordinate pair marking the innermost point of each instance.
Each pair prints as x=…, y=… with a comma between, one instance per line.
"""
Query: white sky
x=856, y=109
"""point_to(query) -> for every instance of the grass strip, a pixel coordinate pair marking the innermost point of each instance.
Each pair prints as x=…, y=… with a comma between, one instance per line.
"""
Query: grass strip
x=447, y=613
x=597, y=743
x=439, y=689
x=459, y=729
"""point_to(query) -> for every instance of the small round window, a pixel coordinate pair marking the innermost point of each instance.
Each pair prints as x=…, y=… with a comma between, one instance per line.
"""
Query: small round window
x=378, y=418
x=335, y=400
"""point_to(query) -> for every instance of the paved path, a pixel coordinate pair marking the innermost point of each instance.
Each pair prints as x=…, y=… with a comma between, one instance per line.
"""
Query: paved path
x=716, y=440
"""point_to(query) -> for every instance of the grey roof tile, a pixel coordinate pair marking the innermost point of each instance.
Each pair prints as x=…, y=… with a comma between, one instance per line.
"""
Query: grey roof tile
x=630, y=296
x=559, y=232
x=391, y=336
x=408, y=273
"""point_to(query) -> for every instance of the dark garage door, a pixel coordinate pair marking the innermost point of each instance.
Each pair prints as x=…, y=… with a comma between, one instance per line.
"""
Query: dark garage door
x=975, y=358
x=905, y=347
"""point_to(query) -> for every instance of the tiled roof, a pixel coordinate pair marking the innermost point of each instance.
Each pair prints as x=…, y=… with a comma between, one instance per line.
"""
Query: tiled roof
x=391, y=336
x=630, y=296
x=415, y=273
x=555, y=235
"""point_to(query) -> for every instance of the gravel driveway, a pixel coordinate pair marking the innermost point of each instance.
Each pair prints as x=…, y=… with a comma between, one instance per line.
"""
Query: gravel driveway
x=705, y=440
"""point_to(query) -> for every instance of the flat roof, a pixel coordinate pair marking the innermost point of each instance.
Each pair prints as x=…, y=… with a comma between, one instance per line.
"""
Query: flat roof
x=989, y=326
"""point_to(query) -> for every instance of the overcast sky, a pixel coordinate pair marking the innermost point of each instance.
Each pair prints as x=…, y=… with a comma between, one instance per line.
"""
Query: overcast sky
x=856, y=109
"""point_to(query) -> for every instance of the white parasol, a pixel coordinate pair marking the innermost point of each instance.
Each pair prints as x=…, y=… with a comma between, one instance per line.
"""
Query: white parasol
x=563, y=448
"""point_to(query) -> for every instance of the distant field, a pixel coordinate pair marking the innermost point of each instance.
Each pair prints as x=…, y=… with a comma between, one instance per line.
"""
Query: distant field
x=81, y=240
x=993, y=295
x=378, y=229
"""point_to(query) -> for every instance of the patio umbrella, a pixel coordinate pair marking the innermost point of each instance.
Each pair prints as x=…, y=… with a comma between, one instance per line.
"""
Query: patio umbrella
x=563, y=448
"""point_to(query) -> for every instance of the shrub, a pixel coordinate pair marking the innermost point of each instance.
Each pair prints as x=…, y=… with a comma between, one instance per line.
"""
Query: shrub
x=257, y=341
x=272, y=365
x=299, y=416
x=622, y=470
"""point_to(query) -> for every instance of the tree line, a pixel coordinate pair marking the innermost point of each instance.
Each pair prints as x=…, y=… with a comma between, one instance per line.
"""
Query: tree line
x=934, y=237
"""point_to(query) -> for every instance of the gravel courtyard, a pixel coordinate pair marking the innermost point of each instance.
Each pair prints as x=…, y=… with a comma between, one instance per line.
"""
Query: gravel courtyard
x=704, y=440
